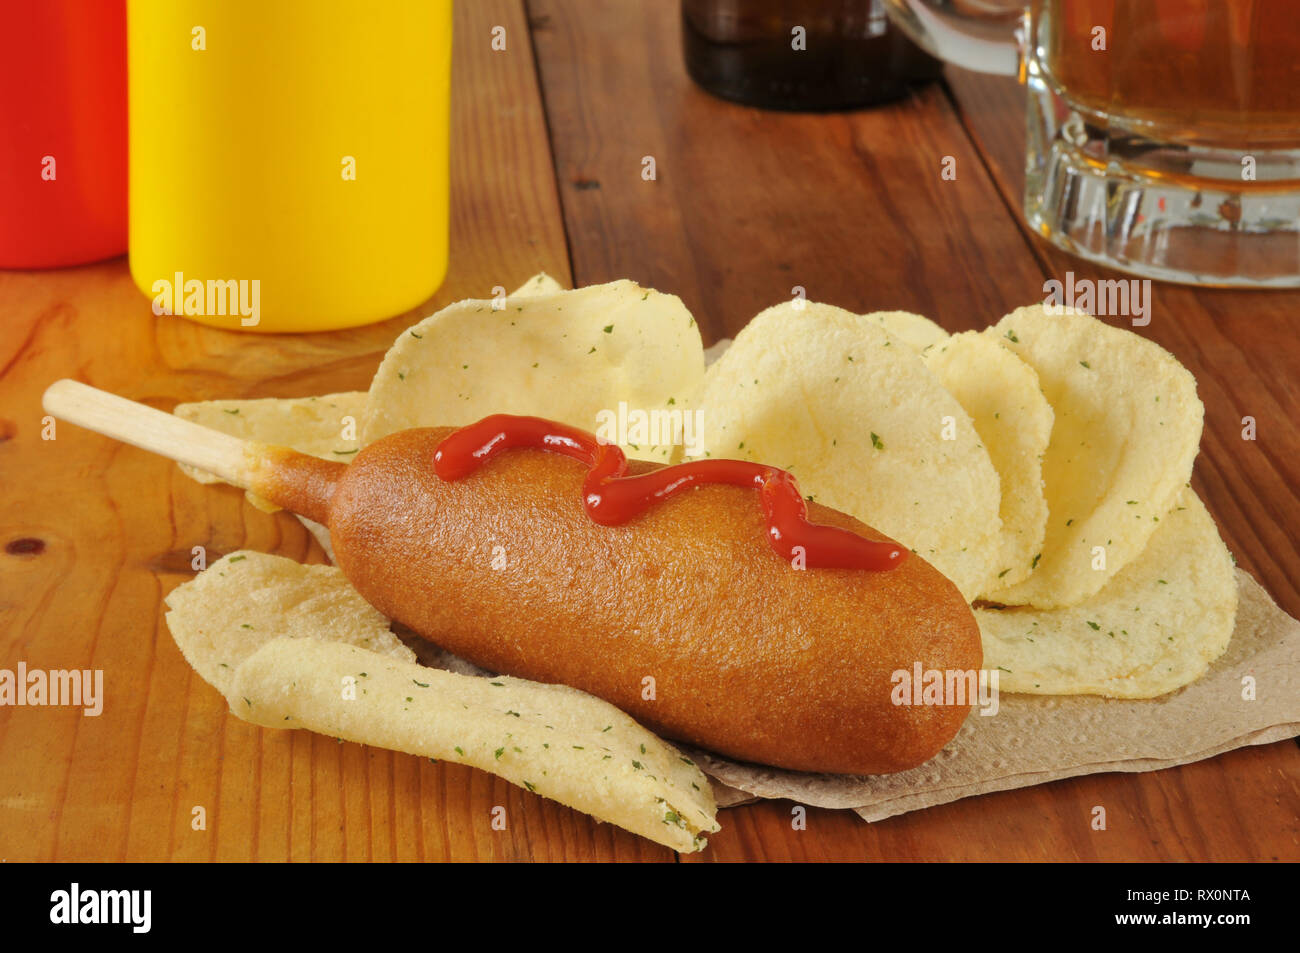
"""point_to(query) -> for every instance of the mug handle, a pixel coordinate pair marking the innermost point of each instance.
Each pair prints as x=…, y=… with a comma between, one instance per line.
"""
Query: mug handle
x=986, y=36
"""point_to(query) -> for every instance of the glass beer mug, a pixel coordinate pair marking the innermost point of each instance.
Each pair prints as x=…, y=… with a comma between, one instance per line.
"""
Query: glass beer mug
x=1163, y=135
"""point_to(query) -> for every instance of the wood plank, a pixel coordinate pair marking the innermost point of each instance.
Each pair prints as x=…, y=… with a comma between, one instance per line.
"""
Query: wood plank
x=747, y=204
x=851, y=206
x=1207, y=811
x=114, y=528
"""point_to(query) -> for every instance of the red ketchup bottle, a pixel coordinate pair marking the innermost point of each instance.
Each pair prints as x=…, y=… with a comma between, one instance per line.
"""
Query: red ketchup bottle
x=62, y=132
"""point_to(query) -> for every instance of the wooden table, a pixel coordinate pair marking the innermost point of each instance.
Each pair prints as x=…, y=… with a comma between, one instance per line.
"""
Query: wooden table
x=549, y=138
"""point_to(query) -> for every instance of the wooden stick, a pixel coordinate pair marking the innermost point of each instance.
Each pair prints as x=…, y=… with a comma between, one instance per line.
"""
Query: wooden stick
x=222, y=455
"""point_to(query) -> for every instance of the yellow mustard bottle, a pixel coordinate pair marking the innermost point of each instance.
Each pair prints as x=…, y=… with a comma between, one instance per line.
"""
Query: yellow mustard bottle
x=288, y=159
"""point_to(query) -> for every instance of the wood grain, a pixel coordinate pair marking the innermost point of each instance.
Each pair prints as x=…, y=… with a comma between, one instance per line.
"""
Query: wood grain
x=851, y=206
x=110, y=531
x=748, y=204
x=745, y=206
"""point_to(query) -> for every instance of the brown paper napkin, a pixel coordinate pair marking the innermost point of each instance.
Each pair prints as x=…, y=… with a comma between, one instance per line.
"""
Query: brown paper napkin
x=1038, y=738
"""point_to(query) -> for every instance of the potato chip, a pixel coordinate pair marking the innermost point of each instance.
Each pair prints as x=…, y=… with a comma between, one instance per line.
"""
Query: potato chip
x=1154, y=627
x=716, y=350
x=555, y=741
x=864, y=426
x=1014, y=420
x=571, y=356
x=294, y=646
x=246, y=598
x=325, y=426
x=1127, y=428
x=321, y=533
x=539, y=284
x=917, y=332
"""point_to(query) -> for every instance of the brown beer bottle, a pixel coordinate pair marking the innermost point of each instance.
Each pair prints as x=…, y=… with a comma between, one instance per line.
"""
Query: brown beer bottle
x=800, y=54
